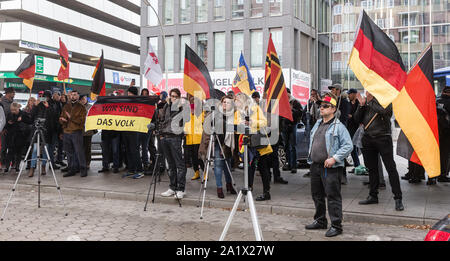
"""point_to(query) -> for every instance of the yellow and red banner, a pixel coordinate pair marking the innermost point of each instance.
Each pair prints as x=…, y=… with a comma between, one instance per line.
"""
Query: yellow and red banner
x=415, y=111
x=376, y=62
x=121, y=113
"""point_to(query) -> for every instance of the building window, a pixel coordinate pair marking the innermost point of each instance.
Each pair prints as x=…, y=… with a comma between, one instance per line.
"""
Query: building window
x=169, y=53
x=219, y=50
x=337, y=10
x=237, y=9
x=153, y=41
x=306, y=14
x=257, y=8
x=256, y=43
x=381, y=23
x=348, y=8
x=337, y=47
x=367, y=5
x=297, y=8
x=219, y=10
x=390, y=3
x=168, y=12
x=238, y=46
x=185, y=11
x=184, y=39
x=152, y=17
x=277, y=38
x=202, y=47
x=275, y=7
x=337, y=28
x=201, y=12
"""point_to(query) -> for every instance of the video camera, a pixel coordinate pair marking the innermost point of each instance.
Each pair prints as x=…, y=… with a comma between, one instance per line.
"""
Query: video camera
x=39, y=123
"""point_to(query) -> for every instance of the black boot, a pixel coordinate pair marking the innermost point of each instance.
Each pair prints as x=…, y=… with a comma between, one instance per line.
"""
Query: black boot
x=264, y=196
x=399, y=205
x=369, y=200
x=231, y=189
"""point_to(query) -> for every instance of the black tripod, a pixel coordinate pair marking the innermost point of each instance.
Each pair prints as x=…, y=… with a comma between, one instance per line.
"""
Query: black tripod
x=157, y=176
x=38, y=136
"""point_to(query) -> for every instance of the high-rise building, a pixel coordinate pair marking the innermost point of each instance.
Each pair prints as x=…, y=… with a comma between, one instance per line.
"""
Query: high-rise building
x=411, y=24
x=220, y=30
x=86, y=27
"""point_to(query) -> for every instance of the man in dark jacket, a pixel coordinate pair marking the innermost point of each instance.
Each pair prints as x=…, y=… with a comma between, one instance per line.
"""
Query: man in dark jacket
x=443, y=113
x=6, y=102
x=289, y=133
x=377, y=139
x=171, y=139
x=352, y=125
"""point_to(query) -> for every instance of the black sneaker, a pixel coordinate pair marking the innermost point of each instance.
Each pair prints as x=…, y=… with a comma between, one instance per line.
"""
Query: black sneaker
x=443, y=179
x=263, y=197
x=370, y=200
x=280, y=180
x=399, y=205
x=66, y=169
x=69, y=174
x=332, y=232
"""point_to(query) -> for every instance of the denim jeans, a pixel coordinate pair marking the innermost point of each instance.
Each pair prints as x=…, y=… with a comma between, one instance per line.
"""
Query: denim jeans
x=177, y=169
x=219, y=167
x=290, y=140
x=34, y=156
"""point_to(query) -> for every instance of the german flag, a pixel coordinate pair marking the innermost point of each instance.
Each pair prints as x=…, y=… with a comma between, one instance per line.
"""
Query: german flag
x=277, y=99
x=63, y=73
x=121, y=113
x=197, y=80
x=415, y=111
x=27, y=71
x=376, y=62
x=98, y=84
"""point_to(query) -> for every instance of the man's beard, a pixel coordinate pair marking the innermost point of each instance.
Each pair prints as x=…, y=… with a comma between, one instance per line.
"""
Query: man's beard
x=74, y=101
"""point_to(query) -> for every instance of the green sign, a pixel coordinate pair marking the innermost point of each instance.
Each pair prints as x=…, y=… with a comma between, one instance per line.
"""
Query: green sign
x=39, y=64
x=15, y=85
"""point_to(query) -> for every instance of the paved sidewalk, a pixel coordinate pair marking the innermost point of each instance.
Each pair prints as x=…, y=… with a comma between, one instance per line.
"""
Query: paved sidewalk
x=423, y=204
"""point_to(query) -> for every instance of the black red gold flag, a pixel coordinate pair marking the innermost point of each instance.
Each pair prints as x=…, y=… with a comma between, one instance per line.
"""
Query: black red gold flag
x=197, y=80
x=98, y=83
x=63, y=73
x=27, y=71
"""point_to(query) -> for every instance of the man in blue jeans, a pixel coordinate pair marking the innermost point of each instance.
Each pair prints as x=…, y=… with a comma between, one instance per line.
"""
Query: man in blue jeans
x=330, y=145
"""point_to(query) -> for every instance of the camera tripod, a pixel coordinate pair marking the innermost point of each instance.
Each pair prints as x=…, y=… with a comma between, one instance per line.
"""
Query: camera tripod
x=157, y=176
x=38, y=133
x=209, y=161
x=247, y=197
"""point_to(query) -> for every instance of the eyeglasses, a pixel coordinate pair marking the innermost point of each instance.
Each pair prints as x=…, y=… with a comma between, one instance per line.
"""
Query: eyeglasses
x=325, y=106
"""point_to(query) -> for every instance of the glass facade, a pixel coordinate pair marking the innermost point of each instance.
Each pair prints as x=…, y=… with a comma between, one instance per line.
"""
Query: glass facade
x=168, y=12
x=238, y=46
x=257, y=8
x=277, y=38
x=411, y=24
x=169, y=53
x=256, y=42
x=202, y=47
x=201, y=10
x=237, y=9
x=185, y=11
x=219, y=10
x=275, y=7
x=184, y=39
x=219, y=50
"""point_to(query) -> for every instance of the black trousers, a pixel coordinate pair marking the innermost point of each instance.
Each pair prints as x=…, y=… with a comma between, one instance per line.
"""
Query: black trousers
x=177, y=169
x=264, y=170
x=444, y=147
x=191, y=156
x=274, y=162
x=326, y=183
x=132, y=151
x=371, y=148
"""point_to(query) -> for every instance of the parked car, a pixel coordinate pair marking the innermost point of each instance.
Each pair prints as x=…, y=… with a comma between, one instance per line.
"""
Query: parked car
x=440, y=231
x=302, y=147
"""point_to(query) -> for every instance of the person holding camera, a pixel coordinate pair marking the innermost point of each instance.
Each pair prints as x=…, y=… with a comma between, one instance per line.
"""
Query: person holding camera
x=73, y=117
x=330, y=144
x=171, y=141
x=42, y=115
x=5, y=103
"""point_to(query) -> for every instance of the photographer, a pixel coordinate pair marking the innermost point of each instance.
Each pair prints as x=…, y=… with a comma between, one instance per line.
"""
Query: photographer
x=171, y=139
x=73, y=117
x=42, y=115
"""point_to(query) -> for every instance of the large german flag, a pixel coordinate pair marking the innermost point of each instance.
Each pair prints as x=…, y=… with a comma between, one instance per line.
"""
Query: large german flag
x=98, y=84
x=63, y=73
x=277, y=99
x=197, y=80
x=27, y=71
x=415, y=111
x=121, y=113
x=376, y=62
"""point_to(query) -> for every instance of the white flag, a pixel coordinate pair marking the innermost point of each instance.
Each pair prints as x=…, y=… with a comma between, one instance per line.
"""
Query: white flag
x=152, y=69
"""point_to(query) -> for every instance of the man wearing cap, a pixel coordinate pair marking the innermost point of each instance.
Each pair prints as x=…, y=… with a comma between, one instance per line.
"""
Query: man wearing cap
x=330, y=144
x=6, y=102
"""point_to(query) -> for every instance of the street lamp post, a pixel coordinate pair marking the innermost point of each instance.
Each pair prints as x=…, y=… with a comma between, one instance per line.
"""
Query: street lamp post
x=146, y=2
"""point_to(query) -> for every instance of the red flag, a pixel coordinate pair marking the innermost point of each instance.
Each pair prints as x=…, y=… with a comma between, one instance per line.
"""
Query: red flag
x=276, y=90
x=64, y=58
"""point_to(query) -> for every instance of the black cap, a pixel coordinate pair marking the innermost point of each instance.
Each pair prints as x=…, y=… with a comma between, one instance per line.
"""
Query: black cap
x=352, y=91
x=9, y=90
x=48, y=94
x=133, y=90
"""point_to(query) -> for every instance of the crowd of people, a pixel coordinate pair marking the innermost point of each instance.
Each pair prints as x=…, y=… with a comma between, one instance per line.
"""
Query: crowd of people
x=334, y=120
